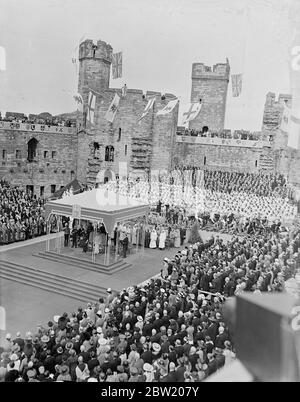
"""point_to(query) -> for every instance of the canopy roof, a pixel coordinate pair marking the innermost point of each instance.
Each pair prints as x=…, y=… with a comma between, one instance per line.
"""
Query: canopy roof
x=98, y=205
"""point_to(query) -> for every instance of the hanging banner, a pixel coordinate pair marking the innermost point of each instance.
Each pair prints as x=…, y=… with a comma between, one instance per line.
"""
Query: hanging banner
x=76, y=211
x=91, y=107
x=192, y=113
x=285, y=120
x=168, y=108
x=117, y=61
x=79, y=101
x=111, y=113
x=147, y=108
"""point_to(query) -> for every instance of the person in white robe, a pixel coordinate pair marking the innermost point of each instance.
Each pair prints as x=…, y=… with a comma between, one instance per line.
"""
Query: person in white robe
x=153, y=238
x=162, y=239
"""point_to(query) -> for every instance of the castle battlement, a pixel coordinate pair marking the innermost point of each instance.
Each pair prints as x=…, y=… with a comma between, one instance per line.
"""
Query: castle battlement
x=218, y=71
x=140, y=92
x=99, y=50
x=271, y=100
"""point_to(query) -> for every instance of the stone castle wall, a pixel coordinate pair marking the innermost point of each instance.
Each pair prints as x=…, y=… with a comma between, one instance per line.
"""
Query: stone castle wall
x=287, y=159
x=45, y=170
x=210, y=85
x=142, y=145
x=215, y=157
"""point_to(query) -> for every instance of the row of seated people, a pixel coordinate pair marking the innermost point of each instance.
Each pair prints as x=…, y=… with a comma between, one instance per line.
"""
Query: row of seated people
x=169, y=329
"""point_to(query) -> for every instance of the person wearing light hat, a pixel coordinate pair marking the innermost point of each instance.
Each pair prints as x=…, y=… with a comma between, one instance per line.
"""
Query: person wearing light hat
x=134, y=377
x=64, y=374
x=45, y=339
x=140, y=322
x=156, y=350
x=14, y=358
x=148, y=372
x=109, y=298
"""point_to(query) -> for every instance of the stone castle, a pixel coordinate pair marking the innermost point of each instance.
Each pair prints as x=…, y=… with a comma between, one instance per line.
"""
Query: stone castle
x=44, y=158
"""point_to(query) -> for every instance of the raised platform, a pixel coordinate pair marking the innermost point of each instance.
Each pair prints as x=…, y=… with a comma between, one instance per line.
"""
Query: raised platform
x=71, y=258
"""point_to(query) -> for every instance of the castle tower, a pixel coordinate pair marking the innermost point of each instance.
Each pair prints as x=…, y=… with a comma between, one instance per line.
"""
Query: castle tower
x=94, y=67
x=210, y=85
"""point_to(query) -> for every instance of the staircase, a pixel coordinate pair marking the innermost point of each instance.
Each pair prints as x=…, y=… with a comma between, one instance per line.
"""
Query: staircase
x=94, y=166
x=85, y=264
x=266, y=162
x=53, y=283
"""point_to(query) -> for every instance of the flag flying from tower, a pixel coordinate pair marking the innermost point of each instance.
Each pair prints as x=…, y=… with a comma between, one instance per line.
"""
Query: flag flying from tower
x=147, y=108
x=192, y=113
x=91, y=107
x=236, y=80
x=78, y=99
x=111, y=113
x=168, y=108
x=285, y=120
x=117, y=61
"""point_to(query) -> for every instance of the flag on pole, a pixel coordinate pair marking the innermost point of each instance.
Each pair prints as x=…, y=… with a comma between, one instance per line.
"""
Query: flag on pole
x=168, y=108
x=111, y=113
x=117, y=61
x=147, y=108
x=2, y=59
x=236, y=80
x=192, y=113
x=91, y=107
x=285, y=120
x=78, y=99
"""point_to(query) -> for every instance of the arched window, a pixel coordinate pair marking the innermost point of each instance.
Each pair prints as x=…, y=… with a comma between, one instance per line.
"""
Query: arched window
x=256, y=163
x=204, y=161
x=72, y=175
x=204, y=129
x=109, y=153
x=120, y=134
x=32, y=146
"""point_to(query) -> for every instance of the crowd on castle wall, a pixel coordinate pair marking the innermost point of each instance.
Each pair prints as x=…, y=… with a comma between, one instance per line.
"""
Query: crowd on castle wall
x=49, y=121
x=170, y=329
x=225, y=134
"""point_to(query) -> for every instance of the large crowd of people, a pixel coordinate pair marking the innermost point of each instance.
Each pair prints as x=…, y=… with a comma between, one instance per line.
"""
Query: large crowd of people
x=21, y=214
x=169, y=329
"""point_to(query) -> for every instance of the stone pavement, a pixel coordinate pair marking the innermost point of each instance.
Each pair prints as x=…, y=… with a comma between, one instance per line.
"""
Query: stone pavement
x=26, y=307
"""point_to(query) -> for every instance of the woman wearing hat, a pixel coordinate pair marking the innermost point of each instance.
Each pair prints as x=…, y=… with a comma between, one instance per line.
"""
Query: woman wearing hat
x=81, y=371
x=64, y=374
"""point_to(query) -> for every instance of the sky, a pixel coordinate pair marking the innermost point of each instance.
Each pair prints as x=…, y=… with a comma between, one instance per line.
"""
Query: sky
x=160, y=39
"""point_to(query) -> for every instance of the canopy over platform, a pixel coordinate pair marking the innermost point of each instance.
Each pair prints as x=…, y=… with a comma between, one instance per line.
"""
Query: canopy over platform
x=98, y=205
